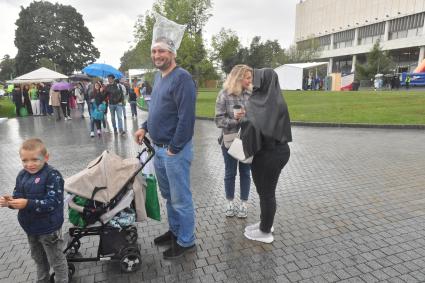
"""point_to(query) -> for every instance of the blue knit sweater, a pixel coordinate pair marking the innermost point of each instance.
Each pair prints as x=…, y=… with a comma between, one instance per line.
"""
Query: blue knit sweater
x=171, y=117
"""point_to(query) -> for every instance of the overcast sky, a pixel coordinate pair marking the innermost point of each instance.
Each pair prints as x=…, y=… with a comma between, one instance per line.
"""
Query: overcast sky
x=112, y=22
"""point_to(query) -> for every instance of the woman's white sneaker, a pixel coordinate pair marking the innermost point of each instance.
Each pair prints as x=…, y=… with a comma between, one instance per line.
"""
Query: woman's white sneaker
x=242, y=211
x=230, y=209
x=256, y=226
x=260, y=236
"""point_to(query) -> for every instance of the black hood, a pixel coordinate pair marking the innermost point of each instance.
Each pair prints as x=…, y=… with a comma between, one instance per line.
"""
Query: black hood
x=266, y=109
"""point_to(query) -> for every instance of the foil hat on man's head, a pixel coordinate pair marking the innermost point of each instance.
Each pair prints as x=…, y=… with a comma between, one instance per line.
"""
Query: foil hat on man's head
x=167, y=34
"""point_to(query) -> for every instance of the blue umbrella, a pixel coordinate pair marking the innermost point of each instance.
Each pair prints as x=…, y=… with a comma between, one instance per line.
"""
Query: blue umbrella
x=102, y=70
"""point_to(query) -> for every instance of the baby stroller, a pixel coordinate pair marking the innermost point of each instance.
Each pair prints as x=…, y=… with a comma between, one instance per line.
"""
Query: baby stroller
x=110, y=188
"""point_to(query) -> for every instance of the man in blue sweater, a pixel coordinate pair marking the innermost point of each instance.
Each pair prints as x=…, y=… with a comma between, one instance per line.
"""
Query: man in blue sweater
x=171, y=125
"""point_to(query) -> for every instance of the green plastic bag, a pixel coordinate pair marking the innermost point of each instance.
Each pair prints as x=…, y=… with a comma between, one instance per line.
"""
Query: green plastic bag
x=141, y=102
x=151, y=203
x=23, y=112
x=74, y=216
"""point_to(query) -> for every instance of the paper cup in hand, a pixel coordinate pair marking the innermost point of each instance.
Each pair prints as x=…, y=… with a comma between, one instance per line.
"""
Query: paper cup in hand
x=237, y=109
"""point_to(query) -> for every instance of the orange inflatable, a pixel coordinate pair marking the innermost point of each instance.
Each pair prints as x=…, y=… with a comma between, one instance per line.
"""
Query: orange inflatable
x=420, y=68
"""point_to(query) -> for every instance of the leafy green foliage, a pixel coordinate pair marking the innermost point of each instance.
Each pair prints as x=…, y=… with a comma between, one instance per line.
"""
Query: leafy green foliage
x=192, y=54
x=7, y=68
x=55, y=32
x=226, y=47
x=305, y=51
x=377, y=62
x=228, y=52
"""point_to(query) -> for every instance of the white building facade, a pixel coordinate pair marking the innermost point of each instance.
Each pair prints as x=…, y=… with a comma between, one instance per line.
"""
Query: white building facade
x=346, y=30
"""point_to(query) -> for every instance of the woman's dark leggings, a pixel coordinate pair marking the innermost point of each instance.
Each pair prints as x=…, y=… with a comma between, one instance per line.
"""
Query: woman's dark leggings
x=66, y=110
x=266, y=167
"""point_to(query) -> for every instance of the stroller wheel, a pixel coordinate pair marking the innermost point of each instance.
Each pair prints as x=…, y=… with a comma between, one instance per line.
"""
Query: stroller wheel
x=130, y=262
x=131, y=235
x=75, y=247
x=71, y=272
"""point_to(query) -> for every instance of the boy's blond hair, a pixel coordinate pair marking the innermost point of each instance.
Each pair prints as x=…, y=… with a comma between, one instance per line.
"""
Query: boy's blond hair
x=233, y=83
x=34, y=144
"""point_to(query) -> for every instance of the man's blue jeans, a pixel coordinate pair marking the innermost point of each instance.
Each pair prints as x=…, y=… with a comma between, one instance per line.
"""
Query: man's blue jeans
x=173, y=174
x=116, y=108
x=230, y=169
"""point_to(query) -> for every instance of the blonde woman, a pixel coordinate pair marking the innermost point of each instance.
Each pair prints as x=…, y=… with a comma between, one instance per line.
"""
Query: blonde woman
x=229, y=110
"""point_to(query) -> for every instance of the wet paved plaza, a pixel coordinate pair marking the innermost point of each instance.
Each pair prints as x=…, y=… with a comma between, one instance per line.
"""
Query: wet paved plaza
x=351, y=208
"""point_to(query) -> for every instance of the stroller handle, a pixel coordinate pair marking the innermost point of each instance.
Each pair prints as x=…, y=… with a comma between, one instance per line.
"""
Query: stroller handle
x=149, y=149
x=148, y=144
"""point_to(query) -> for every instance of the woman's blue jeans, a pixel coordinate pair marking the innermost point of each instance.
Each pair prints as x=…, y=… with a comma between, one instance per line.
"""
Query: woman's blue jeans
x=173, y=175
x=230, y=169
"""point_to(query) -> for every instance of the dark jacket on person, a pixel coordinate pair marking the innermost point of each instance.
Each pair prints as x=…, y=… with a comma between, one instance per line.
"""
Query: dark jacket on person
x=17, y=97
x=114, y=94
x=132, y=95
x=64, y=96
x=44, y=192
x=43, y=93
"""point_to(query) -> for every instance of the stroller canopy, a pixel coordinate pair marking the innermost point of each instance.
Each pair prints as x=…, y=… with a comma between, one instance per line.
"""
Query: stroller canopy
x=107, y=174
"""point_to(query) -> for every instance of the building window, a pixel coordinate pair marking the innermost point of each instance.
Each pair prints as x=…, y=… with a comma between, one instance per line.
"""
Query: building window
x=409, y=26
x=343, y=44
x=369, y=40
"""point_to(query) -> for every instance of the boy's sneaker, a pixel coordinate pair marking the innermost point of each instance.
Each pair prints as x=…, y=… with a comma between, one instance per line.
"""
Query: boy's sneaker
x=258, y=235
x=230, y=210
x=243, y=211
x=65, y=118
x=256, y=226
x=99, y=133
x=69, y=118
x=91, y=134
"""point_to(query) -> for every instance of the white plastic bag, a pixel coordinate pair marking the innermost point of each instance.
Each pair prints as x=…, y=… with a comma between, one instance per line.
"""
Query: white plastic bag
x=167, y=34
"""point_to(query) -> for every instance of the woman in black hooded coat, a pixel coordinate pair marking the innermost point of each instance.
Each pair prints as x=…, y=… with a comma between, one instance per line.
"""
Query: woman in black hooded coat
x=265, y=133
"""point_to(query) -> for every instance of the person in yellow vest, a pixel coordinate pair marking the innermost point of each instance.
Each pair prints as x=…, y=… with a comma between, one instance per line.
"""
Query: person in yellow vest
x=407, y=81
x=35, y=101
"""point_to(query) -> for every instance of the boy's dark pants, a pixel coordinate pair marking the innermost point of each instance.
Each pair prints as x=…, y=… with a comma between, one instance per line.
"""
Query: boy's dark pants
x=46, y=250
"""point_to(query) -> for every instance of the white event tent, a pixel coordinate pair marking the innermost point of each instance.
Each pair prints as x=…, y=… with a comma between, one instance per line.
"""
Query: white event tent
x=38, y=76
x=291, y=75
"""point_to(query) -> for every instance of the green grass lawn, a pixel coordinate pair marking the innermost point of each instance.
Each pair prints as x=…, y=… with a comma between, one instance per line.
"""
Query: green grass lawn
x=381, y=107
x=7, y=108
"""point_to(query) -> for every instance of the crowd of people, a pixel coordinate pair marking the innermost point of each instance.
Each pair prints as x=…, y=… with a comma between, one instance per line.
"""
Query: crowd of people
x=43, y=99
x=250, y=107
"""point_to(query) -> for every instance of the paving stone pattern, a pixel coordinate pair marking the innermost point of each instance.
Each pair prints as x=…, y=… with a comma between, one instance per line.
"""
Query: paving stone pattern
x=351, y=205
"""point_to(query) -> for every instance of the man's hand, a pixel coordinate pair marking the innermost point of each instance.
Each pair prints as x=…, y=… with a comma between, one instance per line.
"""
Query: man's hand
x=18, y=203
x=3, y=201
x=139, y=135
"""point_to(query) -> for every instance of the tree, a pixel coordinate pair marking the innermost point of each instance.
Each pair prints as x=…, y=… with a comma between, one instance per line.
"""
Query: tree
x=304, y=51
x=257, y=55
x=192, y=54
x=7, y=68
x=226, y=46
x=377, y=62
x=55, y=32
x=274, y=55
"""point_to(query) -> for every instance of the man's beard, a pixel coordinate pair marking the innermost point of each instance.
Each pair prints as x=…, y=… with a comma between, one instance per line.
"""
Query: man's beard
x=164, y=65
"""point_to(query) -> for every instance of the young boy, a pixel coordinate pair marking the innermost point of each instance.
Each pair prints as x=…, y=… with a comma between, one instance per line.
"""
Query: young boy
x=38, y=195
